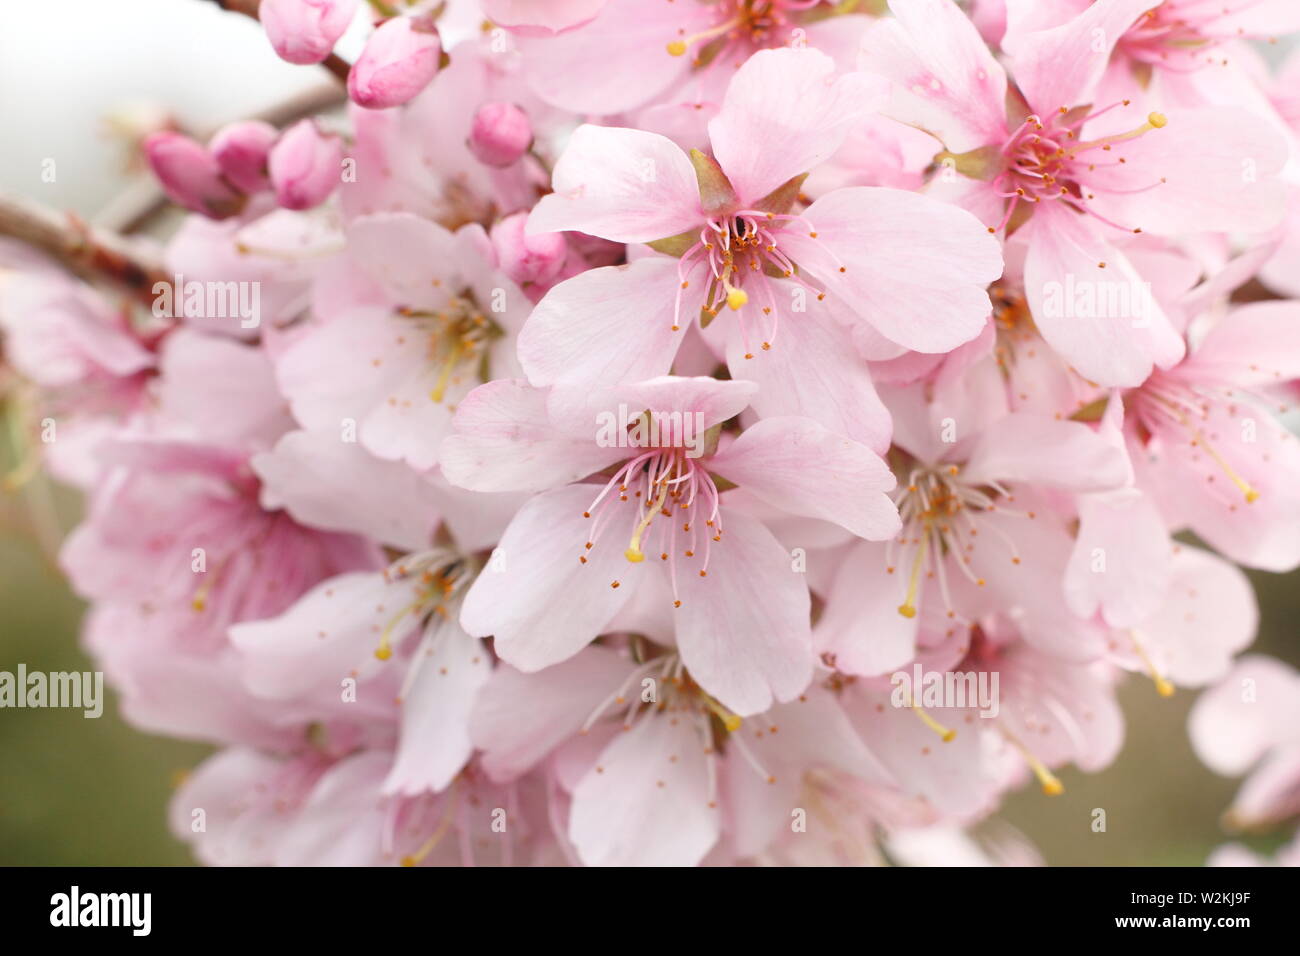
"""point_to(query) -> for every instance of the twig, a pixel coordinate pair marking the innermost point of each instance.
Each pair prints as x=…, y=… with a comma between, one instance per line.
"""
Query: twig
x=334, y=63
x=91, y=253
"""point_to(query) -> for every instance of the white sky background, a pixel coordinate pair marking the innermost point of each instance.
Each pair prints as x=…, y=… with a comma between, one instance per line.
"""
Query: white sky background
x=66, y=64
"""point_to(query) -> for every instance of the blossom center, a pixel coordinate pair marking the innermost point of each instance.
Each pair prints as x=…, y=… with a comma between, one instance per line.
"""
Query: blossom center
x=736, y=255
x=1044, y=159
x=458, y=337
x=659, y=495
x=753, y=23
x=939, y=513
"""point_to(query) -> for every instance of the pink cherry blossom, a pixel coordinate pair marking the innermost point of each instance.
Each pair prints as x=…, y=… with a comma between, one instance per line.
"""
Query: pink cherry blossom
x=728, y=220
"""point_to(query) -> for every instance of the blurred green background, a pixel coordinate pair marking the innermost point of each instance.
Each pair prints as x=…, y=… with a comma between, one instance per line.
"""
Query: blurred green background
x=78, y=791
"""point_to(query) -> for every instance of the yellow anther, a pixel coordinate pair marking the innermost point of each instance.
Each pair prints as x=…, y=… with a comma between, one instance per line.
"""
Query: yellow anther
x=729, y=720
x=1163, y=687
x=1052, y=786
x=946, y=734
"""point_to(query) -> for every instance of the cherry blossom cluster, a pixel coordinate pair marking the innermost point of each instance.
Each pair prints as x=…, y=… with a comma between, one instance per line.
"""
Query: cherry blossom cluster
x=676, y=432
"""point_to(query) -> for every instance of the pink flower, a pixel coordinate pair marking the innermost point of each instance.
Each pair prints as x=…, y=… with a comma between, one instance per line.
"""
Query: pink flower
x=1249, y=722
x=979, y=531
x=401, y=58
x=318, y=808
x=643, y=50
x=305, y=165
x=739, y=612
x=406, y=328
x=656, y=772
x=395, y=635
x=1208, y=448
x=1174, y=38
x=305, y=31
x=794, y=284
x=1071, y=174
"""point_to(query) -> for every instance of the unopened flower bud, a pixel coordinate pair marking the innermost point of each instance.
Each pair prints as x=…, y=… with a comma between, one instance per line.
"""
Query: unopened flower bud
x=305, y=166
x=401, y=58
x=500, y=134
x=528, y=259
x=241, y=150
x=305, y=31
x=191, y=176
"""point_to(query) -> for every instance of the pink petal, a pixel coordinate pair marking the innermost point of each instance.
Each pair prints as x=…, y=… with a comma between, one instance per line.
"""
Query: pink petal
x=783, y=114
x=329, y=634
x=713, y=400
x=1061, y=66
x=800, y=466
x=1252, y=710
x=520, y=718
x=540, y=602
x=840, y=396
x=628, y=53
x=339, y=486
x=1121, y=563
x=541, y=16
x=607, y=326
x=861, y=628
x=1209, y=615
x=647, y=801
x=945, y=80
x=743, y=630
x=1037, y=449
x=914, y=268
x=504, y=440
x=1117, y=347
x=1254, y=346
x=398, y=250
x=450, y=668
x=620, y=184
x=1210, y=169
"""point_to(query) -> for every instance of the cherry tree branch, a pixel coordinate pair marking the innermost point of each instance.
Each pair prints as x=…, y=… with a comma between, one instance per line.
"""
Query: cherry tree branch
x=94, y=254
x=334, y=63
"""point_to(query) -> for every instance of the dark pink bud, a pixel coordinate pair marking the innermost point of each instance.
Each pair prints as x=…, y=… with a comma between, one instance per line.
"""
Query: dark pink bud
x=190, y=175
x=241, y=150
x=527, y=259
x=305, y=31
x=401, y=58
x=305, y=165
x=500, y=134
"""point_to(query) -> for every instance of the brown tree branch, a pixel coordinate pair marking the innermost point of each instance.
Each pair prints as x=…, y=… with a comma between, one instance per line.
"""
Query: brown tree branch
x=334, y=63
x=91, y=253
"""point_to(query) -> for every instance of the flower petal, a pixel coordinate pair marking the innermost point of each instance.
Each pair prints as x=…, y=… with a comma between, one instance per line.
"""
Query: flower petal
x=620, y=184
